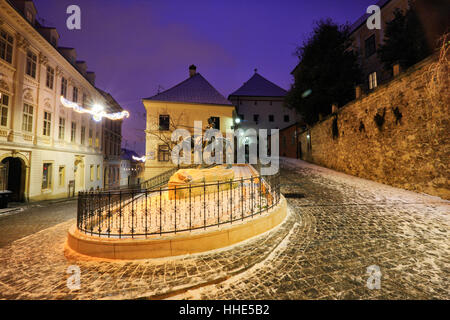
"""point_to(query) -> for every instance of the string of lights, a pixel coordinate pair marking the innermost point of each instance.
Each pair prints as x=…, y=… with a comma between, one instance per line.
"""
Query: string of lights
x=97, y=111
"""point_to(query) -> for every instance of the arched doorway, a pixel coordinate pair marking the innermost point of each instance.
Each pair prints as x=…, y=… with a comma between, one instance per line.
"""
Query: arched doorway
x=15, y=171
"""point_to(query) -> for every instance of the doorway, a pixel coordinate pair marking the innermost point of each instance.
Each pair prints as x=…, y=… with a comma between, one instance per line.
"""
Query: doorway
x=79, y=175
x=15, y=171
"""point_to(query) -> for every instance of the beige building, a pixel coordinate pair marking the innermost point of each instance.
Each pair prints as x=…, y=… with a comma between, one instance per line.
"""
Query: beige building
x=194, y=99
x=46, y=149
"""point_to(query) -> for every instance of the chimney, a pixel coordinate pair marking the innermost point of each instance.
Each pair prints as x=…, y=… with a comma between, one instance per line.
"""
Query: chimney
x=192, y=70
x=82, y=67
x=91, y=77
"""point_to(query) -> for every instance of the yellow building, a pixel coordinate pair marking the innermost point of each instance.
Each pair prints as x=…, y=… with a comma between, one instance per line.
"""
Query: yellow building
x=194, y=99
x=47, y=151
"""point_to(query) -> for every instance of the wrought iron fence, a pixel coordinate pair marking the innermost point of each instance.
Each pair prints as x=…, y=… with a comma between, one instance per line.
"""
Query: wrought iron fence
x=141, y=213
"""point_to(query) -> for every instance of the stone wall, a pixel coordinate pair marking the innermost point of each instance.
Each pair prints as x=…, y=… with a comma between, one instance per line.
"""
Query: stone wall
x=410, y=150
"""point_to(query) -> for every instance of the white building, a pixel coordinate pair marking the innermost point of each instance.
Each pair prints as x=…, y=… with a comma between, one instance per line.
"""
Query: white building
x=45, y=147
x=259, y=105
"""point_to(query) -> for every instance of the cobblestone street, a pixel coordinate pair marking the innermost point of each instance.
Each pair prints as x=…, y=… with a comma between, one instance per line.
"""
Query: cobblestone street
x=338, y=226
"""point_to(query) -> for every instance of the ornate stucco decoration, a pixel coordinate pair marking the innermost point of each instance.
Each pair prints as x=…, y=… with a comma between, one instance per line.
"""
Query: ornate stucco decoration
x=28, y=94
x=22, y=43
x=47, y=104
x=4, y=86
x=43, y=59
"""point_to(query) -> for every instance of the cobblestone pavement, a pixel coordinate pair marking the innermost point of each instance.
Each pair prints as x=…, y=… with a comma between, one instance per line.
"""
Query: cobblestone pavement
x=348, y=224
x=35, y=267
x=25, y=219
x=340, y=227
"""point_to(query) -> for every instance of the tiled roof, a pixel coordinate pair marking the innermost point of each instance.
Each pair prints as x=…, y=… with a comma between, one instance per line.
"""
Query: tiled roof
x=258, y=86
x=195, y=89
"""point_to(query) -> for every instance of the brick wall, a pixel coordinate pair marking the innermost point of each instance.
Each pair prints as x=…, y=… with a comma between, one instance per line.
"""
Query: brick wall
x=410, y=152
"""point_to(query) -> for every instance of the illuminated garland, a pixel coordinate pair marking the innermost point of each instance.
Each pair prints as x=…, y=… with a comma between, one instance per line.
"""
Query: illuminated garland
x=97, y=111
x=142, y=159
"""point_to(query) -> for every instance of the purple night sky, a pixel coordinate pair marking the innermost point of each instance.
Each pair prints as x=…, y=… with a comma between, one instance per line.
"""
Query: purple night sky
x=134, y=46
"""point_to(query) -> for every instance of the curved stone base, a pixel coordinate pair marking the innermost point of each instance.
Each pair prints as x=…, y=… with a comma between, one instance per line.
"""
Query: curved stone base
x=176, y=245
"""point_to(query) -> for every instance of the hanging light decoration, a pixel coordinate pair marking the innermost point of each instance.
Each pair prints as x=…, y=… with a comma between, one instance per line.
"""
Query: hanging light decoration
x=98, y=112
x=142, y=159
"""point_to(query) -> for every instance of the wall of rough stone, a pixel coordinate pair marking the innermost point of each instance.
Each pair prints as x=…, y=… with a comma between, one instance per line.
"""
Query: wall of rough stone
x=409, y=151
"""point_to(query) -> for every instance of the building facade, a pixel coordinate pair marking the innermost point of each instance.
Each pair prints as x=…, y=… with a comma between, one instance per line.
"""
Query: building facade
x=366, y=43
x=48, y=151
x=194, y=99
x=111, y=147
x=131, y=169
x=260, y=105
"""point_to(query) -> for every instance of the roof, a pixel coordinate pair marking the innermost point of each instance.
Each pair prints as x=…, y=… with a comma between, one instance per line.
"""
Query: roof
x=128, y=154
x=258, y=86
x=115, y=106
x=195, y=89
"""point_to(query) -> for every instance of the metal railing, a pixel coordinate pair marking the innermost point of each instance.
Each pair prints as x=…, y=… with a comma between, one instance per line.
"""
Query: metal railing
x=141, y=213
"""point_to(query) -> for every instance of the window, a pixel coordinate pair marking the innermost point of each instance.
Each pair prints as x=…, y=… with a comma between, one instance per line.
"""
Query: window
x=83, y=134
x=6, y=46
x=97, y=140
x=163, y=153
x=61, y=176
x=371, y=46
x=164, y=123
x=214, y=122
x=31, y=64
x=98, y=172
x=90, y=137
x=50, y=77
x=64, y=87
x=27, y=121
x=47, y=123
x=286, y=118
x=91, y=175
x=73, y=132
x=62, y=128
x=75, y=94
x=47, y=176
x=271, y=118
x=84, y=100
x=256, y=103
x=4, y=103
x=373, y=80
x=256, y=117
